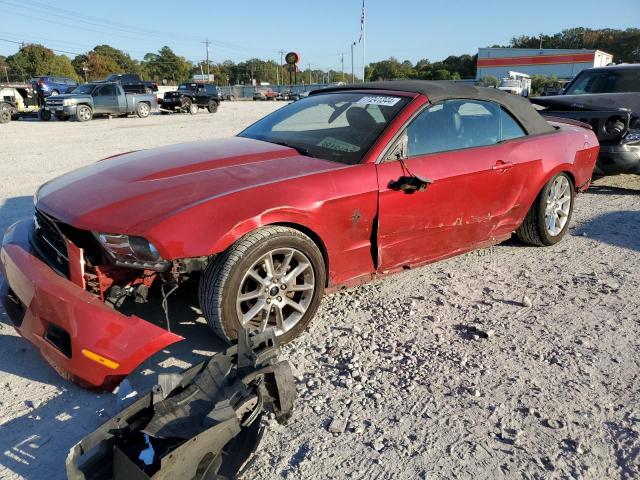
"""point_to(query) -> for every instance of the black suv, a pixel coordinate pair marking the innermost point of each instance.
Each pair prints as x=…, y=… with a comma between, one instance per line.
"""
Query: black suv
x=190, y=97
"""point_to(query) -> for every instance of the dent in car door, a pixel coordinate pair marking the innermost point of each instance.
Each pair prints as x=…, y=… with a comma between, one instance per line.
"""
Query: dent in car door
x=462, y=207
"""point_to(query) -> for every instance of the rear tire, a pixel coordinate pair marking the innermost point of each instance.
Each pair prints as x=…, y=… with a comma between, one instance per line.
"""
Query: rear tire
x=227, y=277
x=84, y=113
x=143, y=110
x=548, y=219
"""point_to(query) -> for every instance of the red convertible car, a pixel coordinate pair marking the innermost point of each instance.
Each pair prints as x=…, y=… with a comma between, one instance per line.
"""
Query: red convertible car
x=345, y=185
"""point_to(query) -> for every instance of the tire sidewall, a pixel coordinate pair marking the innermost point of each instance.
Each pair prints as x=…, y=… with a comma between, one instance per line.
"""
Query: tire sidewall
x=546, y=238
x=193, y=109
x=143, y=110
x=79, y=117
x=213, y=106
x=229, y=318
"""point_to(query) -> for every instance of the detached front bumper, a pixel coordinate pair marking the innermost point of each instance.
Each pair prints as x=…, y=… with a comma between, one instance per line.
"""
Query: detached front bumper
x=82, y=339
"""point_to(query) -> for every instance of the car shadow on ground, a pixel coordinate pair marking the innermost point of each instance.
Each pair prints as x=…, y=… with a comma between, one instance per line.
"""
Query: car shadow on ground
x=620, y=229
x=35, y=443
x=612, y=190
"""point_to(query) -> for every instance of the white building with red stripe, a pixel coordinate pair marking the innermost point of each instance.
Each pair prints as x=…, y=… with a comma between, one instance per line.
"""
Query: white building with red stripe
x=563, y=63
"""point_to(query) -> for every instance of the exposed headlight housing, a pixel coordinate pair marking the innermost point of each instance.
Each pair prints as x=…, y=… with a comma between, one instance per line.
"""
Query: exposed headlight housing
x=67, y=102
x=134, y=252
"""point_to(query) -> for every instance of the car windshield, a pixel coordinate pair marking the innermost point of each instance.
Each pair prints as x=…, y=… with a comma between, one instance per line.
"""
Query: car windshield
x=86, y=88
x=606, y=81
x=340, y=126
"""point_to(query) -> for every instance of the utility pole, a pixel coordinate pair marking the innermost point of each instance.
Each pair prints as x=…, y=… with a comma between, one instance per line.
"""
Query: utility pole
x=281, y=52
x=540, y=41
x=353, y=80
x=6, y=73
x=206, y=43
x=342, y=63
x=309, y=74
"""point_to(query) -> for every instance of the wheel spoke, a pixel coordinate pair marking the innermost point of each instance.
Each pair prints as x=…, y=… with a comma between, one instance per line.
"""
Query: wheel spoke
x=265, y=318
x=243, y=297
x=279, y=318
x=301, y=288
x=551, y=222
x=286, y=262
x=253, y=311
x=253, y=274
x=302, y=266
x=268, y=265
x=562, y=213
x=295, y=305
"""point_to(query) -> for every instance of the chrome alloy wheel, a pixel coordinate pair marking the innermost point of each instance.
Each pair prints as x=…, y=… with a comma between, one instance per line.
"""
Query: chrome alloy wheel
x=558, y=205
x=276, y=291
x=84, y=114
x=144, y=109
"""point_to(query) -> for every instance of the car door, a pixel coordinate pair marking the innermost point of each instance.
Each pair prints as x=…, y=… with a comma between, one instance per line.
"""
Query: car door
x=105, y=100
x=455, y=148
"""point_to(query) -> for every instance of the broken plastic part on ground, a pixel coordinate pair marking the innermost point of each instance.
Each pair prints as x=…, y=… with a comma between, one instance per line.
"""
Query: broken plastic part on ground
x=204, y=423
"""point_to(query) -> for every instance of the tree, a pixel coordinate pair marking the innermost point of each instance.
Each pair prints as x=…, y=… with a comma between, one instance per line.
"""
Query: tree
x=167, y=66
x=489, y=81
x=36, y=60
x=624, y=45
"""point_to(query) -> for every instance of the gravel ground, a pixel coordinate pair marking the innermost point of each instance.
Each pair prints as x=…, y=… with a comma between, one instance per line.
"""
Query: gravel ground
x=509, y=362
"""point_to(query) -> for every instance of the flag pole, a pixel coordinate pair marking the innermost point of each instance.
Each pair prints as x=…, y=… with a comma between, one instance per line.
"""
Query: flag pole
x=364, y=40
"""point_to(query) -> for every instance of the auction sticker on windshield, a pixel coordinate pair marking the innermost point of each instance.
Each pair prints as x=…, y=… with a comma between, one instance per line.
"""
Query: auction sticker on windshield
x=382, y=100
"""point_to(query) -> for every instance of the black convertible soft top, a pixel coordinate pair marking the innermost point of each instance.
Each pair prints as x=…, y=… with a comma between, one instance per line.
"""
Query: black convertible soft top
x=518, y=106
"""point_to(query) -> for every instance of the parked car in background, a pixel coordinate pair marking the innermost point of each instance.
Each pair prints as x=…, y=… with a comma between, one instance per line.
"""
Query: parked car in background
x=264, y=94
x=99, y=98
x=190, y=97
x=334, y=190
x=20, y=100
x=607, y=99
x=132, y=83
x=50, y=85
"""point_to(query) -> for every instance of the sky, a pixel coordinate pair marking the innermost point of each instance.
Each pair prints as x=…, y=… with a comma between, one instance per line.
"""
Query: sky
x=320, y=31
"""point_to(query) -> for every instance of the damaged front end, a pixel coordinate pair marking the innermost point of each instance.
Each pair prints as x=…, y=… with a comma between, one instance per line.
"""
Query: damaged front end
x=62, y=293
x=205, y=423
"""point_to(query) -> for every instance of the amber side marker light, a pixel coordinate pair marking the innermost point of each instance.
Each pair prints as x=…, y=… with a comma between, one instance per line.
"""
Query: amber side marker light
x=100, y=359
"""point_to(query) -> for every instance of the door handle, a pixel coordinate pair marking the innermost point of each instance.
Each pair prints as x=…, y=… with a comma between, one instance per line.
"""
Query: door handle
x=501, y=165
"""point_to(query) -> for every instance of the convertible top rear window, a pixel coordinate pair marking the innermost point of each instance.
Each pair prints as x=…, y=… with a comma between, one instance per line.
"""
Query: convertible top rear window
x=340, y=127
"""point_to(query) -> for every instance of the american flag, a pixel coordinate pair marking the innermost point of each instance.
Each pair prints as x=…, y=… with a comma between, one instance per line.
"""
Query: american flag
x=361, y=23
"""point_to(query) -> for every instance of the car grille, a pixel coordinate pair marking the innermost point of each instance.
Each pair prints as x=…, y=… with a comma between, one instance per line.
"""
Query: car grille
x=49, y=243
x=54, y=103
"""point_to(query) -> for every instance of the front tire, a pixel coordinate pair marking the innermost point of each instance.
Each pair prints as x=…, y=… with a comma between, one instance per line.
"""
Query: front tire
x=84, y=113
x=5, y=113
x=213, y=106
x=193, y=108
x=273, y=277
x=548, y=219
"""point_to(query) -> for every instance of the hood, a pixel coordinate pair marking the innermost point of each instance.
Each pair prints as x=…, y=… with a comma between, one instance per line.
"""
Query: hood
x=119, y=193
x=65, y=96
x=593, y=101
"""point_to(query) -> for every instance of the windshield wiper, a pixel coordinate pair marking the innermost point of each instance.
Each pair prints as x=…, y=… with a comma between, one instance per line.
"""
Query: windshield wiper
x=300, y=150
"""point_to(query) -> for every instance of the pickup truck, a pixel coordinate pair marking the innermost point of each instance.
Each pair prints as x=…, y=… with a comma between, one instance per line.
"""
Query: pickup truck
x=132, y=83
x=98, y=99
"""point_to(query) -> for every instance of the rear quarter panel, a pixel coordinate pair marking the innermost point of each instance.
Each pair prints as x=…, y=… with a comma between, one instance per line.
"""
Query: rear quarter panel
x=570, y=149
